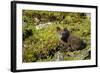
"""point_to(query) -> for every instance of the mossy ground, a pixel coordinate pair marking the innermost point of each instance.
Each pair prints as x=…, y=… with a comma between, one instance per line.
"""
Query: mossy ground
x=40, y=45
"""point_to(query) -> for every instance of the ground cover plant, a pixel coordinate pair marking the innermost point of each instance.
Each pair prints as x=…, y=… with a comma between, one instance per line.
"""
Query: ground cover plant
x=41, y=42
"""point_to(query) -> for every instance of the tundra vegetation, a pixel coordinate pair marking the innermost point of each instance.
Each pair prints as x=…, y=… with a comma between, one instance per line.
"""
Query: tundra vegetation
x=40, y=39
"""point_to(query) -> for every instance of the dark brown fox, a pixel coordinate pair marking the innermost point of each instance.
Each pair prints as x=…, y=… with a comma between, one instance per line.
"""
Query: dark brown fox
x=70, y=41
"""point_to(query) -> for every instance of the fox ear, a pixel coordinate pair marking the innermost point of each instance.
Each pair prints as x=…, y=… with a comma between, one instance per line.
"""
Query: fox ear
x=65, y=29
x=58, y=28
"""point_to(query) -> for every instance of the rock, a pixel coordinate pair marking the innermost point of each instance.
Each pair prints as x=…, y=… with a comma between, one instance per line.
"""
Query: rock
x=59, y=56
x=44, y=25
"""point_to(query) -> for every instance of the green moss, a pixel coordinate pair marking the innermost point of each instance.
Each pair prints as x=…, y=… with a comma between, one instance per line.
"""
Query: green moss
x=42, y=44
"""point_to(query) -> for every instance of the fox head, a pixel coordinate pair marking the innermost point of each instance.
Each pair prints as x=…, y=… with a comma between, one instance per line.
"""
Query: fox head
x=63, y=34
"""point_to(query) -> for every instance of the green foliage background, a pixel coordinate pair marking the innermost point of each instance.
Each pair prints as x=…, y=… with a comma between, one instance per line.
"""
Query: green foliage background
x=40, y=44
